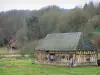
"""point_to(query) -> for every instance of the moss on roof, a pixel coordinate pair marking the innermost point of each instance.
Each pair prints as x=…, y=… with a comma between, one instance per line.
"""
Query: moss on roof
x=65, y=42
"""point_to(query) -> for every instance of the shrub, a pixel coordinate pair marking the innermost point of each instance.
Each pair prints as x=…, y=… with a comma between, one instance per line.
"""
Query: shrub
x=29, y=49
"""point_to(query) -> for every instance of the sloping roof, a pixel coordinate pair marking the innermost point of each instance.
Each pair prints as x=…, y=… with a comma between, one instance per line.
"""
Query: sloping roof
x=60, y=41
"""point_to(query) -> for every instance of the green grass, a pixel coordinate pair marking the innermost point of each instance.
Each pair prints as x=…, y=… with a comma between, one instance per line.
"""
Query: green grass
x=25, y=67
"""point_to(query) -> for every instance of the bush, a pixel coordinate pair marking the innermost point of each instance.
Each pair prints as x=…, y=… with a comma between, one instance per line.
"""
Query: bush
x=29, y=49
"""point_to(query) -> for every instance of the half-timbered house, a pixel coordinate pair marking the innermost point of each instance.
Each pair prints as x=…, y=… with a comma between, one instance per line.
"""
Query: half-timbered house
x=59, y=48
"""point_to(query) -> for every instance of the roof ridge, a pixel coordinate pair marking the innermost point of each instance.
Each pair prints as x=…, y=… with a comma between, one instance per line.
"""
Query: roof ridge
x=64, y=33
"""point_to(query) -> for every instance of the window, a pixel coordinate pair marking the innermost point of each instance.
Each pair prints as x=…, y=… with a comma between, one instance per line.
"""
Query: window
x=47, y=51
x=88, y=58
x=63, y=57
x=52, y=57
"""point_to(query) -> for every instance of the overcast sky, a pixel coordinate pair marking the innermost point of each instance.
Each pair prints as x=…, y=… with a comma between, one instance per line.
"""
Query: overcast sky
x=37, y=4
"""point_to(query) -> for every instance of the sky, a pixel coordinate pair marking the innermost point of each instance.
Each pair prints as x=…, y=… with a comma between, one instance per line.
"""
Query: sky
x=6, y=5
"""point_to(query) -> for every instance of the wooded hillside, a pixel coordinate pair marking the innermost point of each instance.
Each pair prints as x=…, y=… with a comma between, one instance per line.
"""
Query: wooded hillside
x=26, y=25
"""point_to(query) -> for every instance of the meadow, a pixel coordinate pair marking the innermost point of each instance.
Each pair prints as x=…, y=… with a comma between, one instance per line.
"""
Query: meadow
x=25, y=67
x=5, y=51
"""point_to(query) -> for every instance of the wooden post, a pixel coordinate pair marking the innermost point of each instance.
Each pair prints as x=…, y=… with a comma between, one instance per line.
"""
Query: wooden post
x=97, y=54
x=75, y=59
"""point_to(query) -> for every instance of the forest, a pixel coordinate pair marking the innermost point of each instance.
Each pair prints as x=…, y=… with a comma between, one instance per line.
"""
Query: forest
x=26, y=26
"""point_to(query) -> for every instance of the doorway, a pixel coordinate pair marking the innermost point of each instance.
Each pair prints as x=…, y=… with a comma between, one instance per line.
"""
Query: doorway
x=52, y=57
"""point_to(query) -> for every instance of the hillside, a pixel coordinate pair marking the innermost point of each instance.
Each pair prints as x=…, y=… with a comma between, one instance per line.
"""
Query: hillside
x=26, y=26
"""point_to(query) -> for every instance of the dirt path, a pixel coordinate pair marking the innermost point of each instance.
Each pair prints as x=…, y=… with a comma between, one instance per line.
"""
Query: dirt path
x=7, y=56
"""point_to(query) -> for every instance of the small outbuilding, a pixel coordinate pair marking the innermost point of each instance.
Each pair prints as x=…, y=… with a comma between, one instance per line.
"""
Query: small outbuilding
x=60, y=48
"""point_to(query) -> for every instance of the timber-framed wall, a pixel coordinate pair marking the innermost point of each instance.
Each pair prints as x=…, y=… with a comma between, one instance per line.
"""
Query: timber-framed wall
x=81, y=57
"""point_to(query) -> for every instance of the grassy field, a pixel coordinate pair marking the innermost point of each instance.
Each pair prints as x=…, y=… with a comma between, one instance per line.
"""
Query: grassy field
x=10, y=66
x=25, y=67
x=5, y=51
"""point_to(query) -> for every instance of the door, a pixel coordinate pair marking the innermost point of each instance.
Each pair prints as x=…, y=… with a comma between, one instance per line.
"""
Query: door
x=52, y=57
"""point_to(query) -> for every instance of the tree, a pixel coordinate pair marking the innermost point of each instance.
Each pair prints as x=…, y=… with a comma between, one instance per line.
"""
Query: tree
x=33, y=28
x=98, y=9
x=48, y=22
x=90, y=8
x=29, y=49
x=73, y=21
x=85, y=7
